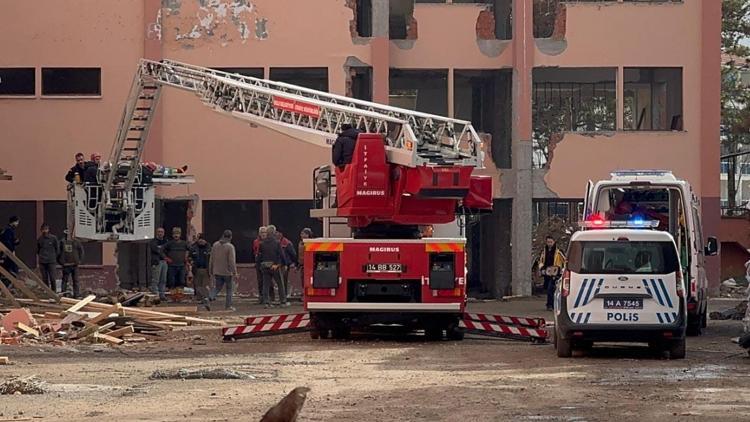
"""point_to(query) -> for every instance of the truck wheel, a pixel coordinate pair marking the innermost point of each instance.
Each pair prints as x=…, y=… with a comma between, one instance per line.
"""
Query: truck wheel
x=677, y=349
x=342, y=332
x=433, y=333
x=454, y=332
x=564, y=346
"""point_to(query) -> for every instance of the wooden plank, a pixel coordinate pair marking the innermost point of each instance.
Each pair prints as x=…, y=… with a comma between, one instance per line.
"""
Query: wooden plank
x=108, y=339
x=30, y=273
x=23, y=327
x=4, y=360
x=135, y=339
x=114, y=309
x=121, y=331
x=190, y=310
x=171, y=323
x=8, y=294
x=142, y=312
x=18, y=283
x=80, y=304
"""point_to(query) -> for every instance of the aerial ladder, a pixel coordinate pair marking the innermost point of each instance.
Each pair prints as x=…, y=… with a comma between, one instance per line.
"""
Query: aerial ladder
x=121, y=207
x=409, y=169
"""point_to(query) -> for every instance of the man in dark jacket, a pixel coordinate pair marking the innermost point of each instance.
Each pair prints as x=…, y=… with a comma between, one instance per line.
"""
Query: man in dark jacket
x=258, y=272
x=92, y=168
x=176, y=251
x=48, y=248
x=9, y=238
x=77, y=170
x=288, y=259
x=70, y=257
x=343, y=148
x=269, y=257
x=200, y=254
x=158, y=264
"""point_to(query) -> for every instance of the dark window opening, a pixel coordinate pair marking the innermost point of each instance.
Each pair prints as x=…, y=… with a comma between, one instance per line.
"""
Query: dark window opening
x=309, y=77
x=401, y=19
x=17, y=81
x=424, y=90
x=241, y=217
x=484, y=97
x=652, y=99
x=569, y=211
x=291, y=216
x=364, y=18
x=570, y=100
x=55, y=215
x=361, y=83
x=71, y=81
x=253, y=72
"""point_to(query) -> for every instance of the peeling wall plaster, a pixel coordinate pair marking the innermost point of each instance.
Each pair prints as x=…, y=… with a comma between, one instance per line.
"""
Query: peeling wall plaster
x=205, y=20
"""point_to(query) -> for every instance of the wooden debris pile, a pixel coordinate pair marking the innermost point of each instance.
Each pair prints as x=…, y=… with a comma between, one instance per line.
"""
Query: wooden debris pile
x=72, y=320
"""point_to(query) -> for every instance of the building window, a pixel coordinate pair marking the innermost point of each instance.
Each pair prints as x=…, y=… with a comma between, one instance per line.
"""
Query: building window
x=653, y=98
x=253, y=72
x=54, y=215
x=309, y=77
x=422, y=90
x=364, y=18
x=291, y=216
x=241, y=217
x=570, y=100
x=569, y=211
x=17, y=81
x=71, y=81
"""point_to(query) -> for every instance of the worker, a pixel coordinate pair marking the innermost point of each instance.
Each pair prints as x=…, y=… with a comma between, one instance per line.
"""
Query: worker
x=158, y=264
x=47, y=250
x=288, y=260
x=77, y=172
x=92, y=168
x=550, y=263
x=176, y=252
x=70, y=257
x=222, y=266
x=270, y=256
x=9, y=238
x=200, y=254
x=343, y=148
x=258, y=273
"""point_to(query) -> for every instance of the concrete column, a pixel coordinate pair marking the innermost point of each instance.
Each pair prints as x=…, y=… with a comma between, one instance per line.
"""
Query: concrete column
x=380, y=50
x=709, y=127
x=523, y=64
x=451, y=94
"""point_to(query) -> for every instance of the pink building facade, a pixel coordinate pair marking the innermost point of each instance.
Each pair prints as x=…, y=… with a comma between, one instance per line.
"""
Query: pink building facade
x=565, y=91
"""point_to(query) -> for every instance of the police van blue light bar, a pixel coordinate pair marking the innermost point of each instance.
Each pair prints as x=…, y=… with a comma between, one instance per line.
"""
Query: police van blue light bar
x=635, y=223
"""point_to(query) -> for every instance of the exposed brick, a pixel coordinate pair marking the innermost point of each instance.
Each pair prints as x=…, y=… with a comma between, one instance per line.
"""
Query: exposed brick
x=18, y=315
x=561, y=21
x=352, y=4
x=486, y=25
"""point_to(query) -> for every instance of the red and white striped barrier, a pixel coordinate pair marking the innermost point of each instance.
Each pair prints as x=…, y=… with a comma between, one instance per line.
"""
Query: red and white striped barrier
x=268, y=325
x=502, y=330
x=502, y=319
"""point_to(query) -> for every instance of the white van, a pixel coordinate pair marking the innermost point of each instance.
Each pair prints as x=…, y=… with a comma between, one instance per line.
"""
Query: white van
x=645, y=195
x=621, y=285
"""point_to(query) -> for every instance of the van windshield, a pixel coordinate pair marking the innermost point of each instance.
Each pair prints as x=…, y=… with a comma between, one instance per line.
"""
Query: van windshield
x=622, y=257
x=648, y=203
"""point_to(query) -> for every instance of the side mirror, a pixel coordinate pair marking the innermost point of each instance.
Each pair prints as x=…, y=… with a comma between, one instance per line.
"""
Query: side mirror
x=712, y=246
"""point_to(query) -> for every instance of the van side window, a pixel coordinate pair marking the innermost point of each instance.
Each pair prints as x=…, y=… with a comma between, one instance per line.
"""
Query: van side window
x=698, y=232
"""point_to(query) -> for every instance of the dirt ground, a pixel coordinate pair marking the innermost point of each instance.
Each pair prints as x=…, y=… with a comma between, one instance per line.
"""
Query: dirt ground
x=385, y=378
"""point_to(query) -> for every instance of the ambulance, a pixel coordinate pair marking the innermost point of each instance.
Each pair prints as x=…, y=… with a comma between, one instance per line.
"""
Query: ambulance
x=623, y=282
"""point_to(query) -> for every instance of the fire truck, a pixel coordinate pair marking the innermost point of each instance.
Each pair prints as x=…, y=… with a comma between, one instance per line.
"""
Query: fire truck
x=409, y=170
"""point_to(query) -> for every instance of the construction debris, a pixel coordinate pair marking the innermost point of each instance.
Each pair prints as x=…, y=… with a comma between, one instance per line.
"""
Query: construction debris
x=736, y=313
x=191, y=374
x=23, y=385
x=732, y=288
x=71, y=320
x=4, y=360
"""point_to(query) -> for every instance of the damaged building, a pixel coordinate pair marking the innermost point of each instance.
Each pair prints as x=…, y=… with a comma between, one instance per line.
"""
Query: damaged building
x=561, y=91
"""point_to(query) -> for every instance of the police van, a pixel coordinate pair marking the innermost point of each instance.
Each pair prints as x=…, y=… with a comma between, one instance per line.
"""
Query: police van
x=621, y=284
x=657, y=195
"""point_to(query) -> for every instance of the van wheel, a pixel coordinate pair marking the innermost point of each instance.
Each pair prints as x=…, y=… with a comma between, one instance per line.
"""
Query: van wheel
x=677, y=349
x=695, y=326
x=704, y=319
x=564, y=346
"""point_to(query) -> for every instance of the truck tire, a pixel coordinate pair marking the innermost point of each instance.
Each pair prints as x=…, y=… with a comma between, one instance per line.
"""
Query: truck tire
x=341, y=332
x=677, y=349
x=454, y=332
x=433, y=333
x=564, y=346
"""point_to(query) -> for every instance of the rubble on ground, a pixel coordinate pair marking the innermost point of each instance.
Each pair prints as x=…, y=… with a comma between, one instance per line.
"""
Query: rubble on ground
x=732, y=288
x=737, y=313
x=87, y=321
x=189, y=374
x=23, y=385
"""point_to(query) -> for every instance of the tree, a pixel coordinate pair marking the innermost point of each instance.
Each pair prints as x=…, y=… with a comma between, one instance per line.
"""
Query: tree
x=735, y=94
